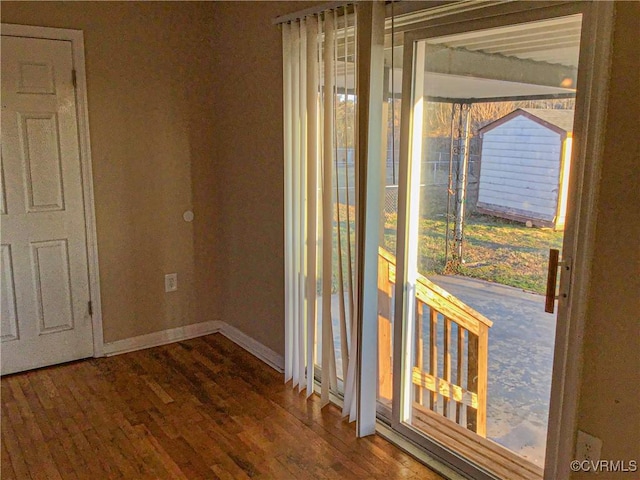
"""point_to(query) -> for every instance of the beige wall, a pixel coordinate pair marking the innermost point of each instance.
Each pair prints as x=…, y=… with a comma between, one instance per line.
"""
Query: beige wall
x=249, y=263
x=151, y=122
x=610, y=394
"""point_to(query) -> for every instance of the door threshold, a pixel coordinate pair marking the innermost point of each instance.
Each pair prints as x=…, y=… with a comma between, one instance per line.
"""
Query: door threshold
x=417, y=452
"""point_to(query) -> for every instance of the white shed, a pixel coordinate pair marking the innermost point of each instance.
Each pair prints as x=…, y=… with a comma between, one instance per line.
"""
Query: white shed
x=524, y=166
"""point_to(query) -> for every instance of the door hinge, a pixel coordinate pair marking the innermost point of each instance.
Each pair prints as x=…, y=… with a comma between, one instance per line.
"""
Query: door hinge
x=90, y=308
x=74, y=79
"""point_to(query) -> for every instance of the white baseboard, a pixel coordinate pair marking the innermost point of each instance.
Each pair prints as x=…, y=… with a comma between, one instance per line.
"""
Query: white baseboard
x=254, y=347
x=178, y=334
x=162, y=337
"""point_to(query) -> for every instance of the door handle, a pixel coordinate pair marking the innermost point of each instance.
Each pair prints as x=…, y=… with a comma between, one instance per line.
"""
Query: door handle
x=552, y=275
x=552, y=278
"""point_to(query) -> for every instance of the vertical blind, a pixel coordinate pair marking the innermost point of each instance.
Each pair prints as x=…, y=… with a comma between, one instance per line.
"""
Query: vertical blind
x=333, y=72
x=319, y=144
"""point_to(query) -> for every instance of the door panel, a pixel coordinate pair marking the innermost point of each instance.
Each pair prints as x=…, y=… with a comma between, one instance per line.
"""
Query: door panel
x=8, y=297
x=50, y=265
x=45, y=292
x=474, y=350
x=40, y=153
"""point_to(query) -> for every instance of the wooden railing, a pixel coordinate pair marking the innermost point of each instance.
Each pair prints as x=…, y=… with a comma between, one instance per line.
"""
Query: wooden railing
x=463, y=400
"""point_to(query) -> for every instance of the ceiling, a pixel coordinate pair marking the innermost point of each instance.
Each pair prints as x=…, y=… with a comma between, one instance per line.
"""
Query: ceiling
x=525, y=60
x=555, y=41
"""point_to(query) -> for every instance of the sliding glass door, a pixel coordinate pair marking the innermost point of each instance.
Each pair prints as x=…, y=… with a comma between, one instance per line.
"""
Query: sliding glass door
x=482, y=187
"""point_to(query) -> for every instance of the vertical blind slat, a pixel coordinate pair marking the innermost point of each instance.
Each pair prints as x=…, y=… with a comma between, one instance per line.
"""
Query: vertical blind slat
x=288, y=200
x=302, y=94
x=334, y=133
x=350, y=397
x=312, y=192
x=327, y=245
x=297, y=200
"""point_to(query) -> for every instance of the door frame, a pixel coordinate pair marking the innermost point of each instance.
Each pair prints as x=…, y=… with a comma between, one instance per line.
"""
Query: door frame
x=76, y=37
x=578, y=244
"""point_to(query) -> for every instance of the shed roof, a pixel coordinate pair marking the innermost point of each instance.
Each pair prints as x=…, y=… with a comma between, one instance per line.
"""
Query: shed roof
x=560, y=118
x=555, y=119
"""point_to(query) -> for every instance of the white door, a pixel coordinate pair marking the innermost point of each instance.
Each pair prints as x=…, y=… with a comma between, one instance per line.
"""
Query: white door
x=44, y=283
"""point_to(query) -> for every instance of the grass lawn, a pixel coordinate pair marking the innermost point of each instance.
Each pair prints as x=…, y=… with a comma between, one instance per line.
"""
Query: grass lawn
x=509, y=253
x=494, y=249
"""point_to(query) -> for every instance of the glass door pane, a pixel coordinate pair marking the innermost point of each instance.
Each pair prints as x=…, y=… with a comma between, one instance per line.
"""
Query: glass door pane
x=489, y=151
x=389, y=211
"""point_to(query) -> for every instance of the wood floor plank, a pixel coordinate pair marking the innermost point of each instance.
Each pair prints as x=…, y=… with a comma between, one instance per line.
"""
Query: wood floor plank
x=15, y=462
x=61, y=460
x=199, y=409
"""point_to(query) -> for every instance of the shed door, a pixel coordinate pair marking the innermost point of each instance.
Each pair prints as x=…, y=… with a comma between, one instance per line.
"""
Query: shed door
x=45, y=293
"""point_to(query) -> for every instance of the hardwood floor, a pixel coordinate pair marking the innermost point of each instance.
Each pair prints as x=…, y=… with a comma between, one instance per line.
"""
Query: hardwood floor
x=198, y=409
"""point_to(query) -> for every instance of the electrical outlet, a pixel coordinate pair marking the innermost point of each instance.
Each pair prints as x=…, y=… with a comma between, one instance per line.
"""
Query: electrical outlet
x=588, y=447
x=171, y=282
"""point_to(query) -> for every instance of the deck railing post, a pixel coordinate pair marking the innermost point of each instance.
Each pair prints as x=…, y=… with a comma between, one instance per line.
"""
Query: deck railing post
x=385, y=379
x=419, y=347
x=472, y=379
x=433, y=349
x=483, y=360
x=477, y=380
x=447, y=363
x=459, y=361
